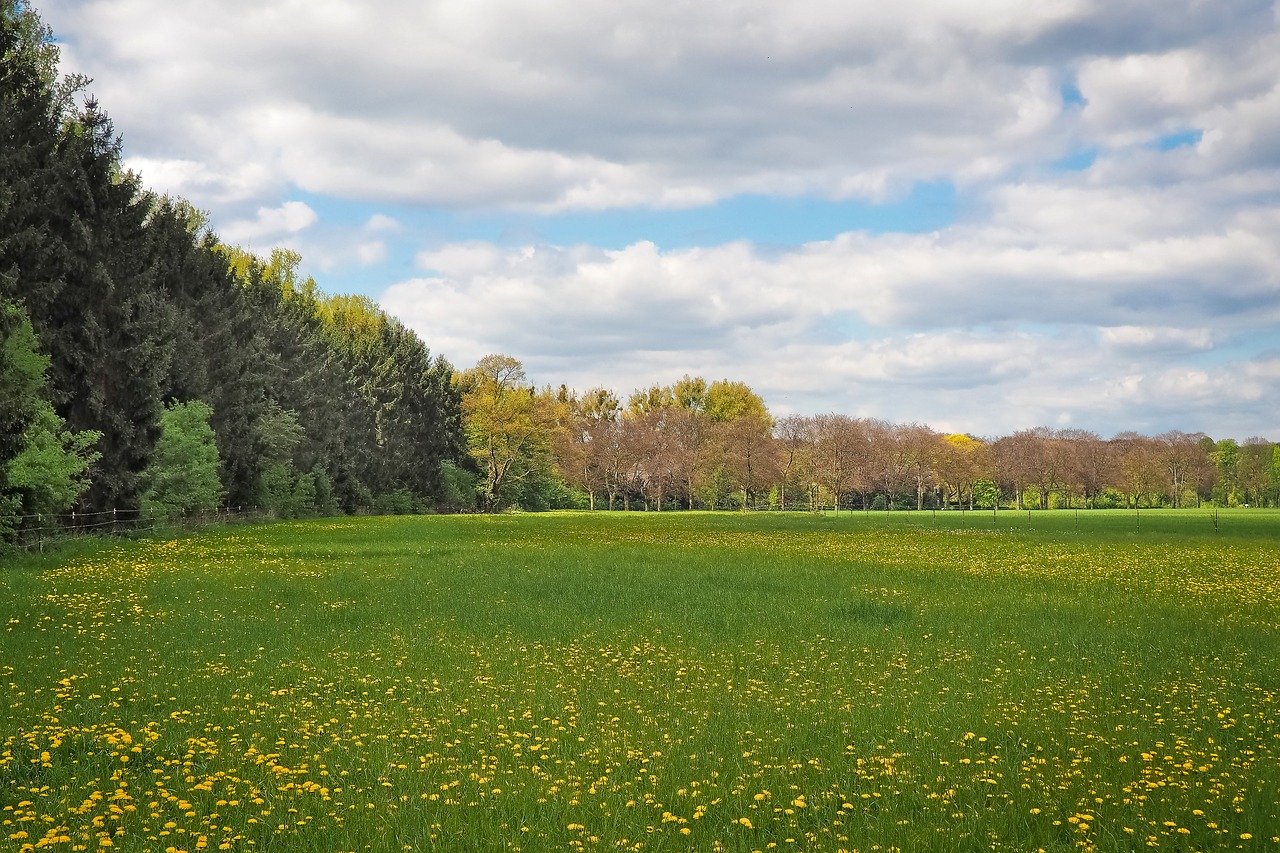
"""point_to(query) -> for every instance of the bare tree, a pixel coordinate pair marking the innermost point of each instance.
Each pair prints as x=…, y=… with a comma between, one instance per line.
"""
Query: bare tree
x=886, y=465
x=1139, y=467
x=919, y=449
x=690, y=448
x=838, y=453
x=1179, y=453
x=655, y=454
x=1092, y=464
x=751, y=454
x=1052, y=462
x=1015, y=462
x=578, y=446
x=794, y=434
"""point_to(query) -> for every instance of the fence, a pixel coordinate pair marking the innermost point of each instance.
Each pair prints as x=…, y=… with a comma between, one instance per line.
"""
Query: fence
x=37, y=532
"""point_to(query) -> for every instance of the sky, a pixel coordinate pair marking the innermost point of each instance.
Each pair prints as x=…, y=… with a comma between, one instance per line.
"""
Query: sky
x=982, y=215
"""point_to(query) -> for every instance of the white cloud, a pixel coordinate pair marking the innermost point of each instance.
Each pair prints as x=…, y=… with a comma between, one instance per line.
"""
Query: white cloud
x=1107, y=296
x=381, y=222
x=372, y=252
x=1059, y=334
x=1149, y=338
x=559, y=105
x=288, y=219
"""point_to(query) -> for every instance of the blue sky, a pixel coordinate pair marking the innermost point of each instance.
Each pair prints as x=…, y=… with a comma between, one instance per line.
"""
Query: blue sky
x=983, y=215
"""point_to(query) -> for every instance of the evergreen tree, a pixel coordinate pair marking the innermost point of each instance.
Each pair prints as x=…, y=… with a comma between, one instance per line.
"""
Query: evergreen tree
x=215, y=339
x=136, y=302
x=105, y=330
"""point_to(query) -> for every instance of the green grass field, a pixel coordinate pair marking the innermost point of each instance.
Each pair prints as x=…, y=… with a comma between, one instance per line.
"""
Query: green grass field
x=910, y=682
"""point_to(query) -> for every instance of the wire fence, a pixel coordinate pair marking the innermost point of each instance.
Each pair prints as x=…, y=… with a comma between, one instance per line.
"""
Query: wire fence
x=38, y=532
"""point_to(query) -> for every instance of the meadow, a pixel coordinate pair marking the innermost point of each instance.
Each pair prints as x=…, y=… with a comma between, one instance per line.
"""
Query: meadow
x=913, y=682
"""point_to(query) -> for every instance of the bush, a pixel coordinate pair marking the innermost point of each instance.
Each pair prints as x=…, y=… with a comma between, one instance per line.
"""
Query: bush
x=459, y=489
x=398, y=502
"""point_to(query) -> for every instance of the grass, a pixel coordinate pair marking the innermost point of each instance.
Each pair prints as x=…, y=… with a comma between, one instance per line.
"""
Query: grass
x=651, y=682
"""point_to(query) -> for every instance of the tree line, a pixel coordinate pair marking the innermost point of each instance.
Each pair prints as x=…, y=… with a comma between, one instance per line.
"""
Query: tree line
x=133, y=342
x=699, y=444
x=146, y=366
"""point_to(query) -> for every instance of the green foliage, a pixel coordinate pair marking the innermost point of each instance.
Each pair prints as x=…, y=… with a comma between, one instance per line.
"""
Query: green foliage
x=511, y=430
x=286, y=493
x=542, y=490
x=276, y=490
x=1273, y=477
x=690, y=392
x=304, y=494
x=397, y=502
x=183, y=474
x=727, y=401
x=646, y=400
x=1226, y=456
x=44, y=467
x=52, y=469
x=22, y=380
x=985, y=494
x=1110, y=499
x=459, y=489
x=279, y=435
x=326, y=501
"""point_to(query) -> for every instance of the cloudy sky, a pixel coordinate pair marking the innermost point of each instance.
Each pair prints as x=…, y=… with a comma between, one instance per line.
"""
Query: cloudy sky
x=984, y=215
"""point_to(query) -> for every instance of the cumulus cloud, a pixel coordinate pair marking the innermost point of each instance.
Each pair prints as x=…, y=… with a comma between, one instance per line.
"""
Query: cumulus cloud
x=566, y=105
x=371, y=252
x=1017, y=331
x=272, y=223
x=1148, y=338
x=1117, y=165
x=382, y=222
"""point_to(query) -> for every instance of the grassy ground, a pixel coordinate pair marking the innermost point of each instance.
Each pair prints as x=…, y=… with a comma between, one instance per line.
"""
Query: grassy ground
x=651, y=682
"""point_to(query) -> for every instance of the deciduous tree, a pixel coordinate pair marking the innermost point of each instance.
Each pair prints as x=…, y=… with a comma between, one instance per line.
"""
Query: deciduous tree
x=510, y=426
x=183, y=474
